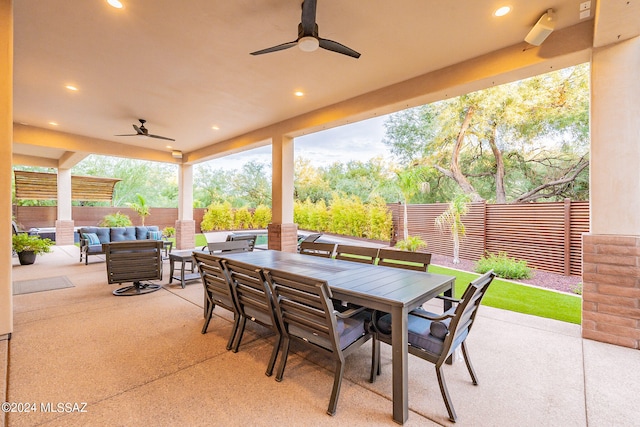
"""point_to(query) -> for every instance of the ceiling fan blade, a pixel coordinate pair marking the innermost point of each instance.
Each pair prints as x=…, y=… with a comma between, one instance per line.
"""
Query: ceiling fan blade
x=160, y=137
x=140, y=131
x=337, y=47
x=129, y=134
x=309, y=17
x=282, y=46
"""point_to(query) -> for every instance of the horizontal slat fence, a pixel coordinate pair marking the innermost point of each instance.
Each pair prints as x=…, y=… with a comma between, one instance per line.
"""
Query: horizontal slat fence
x=45, y=216
x=547, y=235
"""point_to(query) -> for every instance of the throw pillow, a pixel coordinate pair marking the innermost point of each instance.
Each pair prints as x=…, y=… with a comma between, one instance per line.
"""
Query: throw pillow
x=155, y=235
x=92, y=238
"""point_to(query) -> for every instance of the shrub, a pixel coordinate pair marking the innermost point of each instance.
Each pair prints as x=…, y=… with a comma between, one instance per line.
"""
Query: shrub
x=168, y=231
x=380, y=220
x=503, y=266
x=219, y=216
x=242, y=218
x=261, y=216
x=411, y=243
x=115, y=220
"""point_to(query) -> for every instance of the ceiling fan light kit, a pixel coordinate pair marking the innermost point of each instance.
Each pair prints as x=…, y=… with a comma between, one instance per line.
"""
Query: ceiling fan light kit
x=545, y=25
x=308, y=44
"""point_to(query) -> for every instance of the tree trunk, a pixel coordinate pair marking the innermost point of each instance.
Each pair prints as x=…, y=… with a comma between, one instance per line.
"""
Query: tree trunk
x=456, y=248
x=406, y=226
x=501, y=196
x=455, y=172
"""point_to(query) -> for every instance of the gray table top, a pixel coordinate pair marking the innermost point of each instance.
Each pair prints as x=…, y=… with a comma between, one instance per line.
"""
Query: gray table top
x=373, y=286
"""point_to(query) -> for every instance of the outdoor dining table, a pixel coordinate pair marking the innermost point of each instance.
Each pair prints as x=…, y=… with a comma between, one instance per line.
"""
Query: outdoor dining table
x=393, y=290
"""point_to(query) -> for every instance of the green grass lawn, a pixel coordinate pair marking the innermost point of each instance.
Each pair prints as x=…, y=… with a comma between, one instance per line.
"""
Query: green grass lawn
x=520, y=298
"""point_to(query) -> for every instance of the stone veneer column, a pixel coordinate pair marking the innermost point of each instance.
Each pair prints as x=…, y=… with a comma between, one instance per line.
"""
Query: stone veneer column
x=283, y=237
x=611, y=289
x=64, y=232
x=185, y=234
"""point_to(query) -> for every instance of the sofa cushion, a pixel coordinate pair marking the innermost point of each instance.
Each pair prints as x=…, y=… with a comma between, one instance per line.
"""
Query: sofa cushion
x=155, y=235
x=101, y=232
x=121, y=234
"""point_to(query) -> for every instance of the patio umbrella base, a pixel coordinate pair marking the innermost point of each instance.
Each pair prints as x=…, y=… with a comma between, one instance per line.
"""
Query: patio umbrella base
x=137, y=288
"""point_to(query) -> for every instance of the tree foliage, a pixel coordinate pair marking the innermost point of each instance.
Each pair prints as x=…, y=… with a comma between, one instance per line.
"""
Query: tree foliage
x=522, y=141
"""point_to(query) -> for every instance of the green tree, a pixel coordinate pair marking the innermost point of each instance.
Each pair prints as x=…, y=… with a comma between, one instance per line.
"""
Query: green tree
x=452, y=218
x=493, y=143
x=410, y=182
x=140, y=207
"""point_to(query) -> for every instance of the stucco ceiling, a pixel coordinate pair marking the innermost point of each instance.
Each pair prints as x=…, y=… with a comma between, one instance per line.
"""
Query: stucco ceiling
x=185, y=66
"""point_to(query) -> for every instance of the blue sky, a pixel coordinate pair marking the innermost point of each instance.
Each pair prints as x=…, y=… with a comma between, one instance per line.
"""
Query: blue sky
x=357, y=141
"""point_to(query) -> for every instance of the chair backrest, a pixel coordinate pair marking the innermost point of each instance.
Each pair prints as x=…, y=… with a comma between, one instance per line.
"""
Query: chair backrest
x=228, y=247
x=215, y=280
x=251, y=238
x=324, y=250
x=133, y=261
x=311, y=237
x=465, y=313
x=404, y=259
x=361, y=254
x=251, y=292
x=304, y=309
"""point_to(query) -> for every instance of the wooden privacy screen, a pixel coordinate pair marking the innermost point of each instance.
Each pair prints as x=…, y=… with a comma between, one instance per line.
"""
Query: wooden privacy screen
x=44, y=186
x=547, y=235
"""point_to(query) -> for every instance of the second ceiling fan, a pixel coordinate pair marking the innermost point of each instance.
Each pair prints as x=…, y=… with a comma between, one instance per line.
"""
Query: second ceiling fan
x=308, y=39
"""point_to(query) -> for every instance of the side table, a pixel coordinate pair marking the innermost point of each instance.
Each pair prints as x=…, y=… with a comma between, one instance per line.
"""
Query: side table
x=182, y=257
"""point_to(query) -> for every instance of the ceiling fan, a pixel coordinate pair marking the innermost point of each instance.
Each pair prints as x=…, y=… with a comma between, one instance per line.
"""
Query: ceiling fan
x=308, y=39
x=143, y=131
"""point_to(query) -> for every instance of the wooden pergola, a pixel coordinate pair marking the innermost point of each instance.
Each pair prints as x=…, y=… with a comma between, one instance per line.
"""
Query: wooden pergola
x=44, y=186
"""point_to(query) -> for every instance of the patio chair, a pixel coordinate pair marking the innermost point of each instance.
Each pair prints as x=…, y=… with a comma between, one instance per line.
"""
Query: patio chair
x=308, y=238
x=254, y=302
x=404, y=259
x=361, y=254
x=434, y=337
x=250, y=238
x=134, y=261
x=306, y=316
x=217, y=291
x=324, y=250
x=228, y=247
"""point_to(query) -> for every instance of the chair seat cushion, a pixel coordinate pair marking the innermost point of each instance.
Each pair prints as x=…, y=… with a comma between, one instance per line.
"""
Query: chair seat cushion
x=349, y=330
x=423, y=333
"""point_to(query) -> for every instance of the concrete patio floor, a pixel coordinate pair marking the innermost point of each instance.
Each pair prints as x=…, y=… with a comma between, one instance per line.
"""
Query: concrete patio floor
x=143, y=361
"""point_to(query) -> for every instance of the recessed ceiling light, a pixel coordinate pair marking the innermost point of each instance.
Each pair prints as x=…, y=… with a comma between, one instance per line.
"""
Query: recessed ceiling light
x=298, y=93
x=115, y=3
x=71, y=88
x=502, y=11
x=215, y=127
x=169, y=147
x=53, y=123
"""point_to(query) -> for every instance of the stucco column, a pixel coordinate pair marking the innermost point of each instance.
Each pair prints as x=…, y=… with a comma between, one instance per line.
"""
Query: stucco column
x=185, y=225
x=64, y=222
x=611, y=251
x=6, y=153
x=283, y=233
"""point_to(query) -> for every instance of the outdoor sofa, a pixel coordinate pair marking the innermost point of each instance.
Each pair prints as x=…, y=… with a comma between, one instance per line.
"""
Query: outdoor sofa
x=92, y=238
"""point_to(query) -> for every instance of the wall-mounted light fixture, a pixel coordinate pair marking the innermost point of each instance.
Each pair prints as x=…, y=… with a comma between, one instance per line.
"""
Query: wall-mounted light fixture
x=542, y=29
x=176, y=154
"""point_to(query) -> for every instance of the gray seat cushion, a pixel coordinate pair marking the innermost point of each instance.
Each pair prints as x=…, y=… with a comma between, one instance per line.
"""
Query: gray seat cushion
x=423, y=333
x=349, y=329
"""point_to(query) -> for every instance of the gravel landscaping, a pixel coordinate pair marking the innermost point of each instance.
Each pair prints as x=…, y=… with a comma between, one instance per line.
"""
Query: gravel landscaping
x=541, y=279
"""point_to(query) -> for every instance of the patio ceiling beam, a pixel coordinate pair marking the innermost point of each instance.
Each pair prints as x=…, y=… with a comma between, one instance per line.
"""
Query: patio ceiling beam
x=31, y=135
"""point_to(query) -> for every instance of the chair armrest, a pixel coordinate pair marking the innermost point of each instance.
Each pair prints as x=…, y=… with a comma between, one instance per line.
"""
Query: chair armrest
x=449, y=314
x=446, y=298
x=350, y=312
